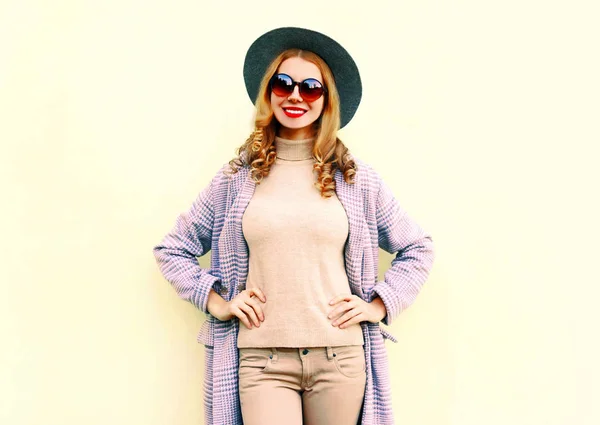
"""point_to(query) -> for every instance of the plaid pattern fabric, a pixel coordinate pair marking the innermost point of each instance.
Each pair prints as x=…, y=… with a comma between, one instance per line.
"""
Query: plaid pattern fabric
x=214, y=222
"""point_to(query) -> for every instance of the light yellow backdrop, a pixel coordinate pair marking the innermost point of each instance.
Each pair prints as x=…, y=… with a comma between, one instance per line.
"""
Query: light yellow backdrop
x=481, y=115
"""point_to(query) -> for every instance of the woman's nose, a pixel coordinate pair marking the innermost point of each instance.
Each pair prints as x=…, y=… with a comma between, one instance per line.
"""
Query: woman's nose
x=295, y=95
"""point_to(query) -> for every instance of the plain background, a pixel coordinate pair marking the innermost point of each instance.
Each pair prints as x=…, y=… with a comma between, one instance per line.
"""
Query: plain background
x=481, y=115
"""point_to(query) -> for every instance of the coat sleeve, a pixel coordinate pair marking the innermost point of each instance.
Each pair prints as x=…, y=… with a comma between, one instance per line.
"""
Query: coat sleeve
x=399, y=234
x=177, y=253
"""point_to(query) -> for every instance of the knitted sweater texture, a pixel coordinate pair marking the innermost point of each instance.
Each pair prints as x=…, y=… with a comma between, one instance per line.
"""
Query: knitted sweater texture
x=296, y=242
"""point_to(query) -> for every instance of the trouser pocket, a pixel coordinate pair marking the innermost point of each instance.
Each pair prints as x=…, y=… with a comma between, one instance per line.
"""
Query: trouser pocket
x=350, y=360
x=255, y=359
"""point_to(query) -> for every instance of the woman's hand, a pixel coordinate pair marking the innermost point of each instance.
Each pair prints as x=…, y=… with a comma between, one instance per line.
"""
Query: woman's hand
x=352, y=309
x=245, y=307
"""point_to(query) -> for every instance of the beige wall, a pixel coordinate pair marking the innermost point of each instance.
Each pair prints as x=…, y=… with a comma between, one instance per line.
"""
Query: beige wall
x=482, y=116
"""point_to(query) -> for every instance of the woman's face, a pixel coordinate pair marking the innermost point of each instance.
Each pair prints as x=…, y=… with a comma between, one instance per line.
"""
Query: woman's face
x=297, y=125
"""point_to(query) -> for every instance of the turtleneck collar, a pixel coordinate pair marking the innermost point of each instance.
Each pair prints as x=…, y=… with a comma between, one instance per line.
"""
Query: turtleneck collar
x=294, y=150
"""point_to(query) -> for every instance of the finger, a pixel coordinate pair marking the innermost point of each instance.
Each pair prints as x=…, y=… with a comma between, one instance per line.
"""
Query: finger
x=259, y=293
x=341, y=309
x=250, y=313
x=338, y=311
x=237, y=312
x=347, y=319
x=339, y=315
x=257, y=308
x=340, y=297
x=356, y=319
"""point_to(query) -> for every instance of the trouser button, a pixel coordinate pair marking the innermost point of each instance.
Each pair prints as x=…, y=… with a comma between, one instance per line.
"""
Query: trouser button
x=305, y=351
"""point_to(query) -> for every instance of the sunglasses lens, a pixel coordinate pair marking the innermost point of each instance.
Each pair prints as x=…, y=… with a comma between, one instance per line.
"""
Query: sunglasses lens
x=311, y=90
x=282, y=85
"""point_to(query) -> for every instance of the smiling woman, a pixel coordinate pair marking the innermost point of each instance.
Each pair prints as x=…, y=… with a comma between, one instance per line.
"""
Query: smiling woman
x=297, y=106
x=294, y=225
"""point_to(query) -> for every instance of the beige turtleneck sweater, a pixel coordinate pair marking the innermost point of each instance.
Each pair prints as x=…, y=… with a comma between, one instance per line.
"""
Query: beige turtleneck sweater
x=296, y=241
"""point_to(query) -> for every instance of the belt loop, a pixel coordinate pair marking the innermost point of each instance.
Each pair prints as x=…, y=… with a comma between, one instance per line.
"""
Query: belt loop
x=329, y=353
x=275, y=354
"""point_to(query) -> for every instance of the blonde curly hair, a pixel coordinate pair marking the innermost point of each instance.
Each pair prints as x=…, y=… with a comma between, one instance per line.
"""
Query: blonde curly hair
x=258, y=151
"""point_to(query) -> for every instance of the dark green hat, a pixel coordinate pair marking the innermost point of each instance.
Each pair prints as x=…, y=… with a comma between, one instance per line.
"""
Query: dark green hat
x=266, y=48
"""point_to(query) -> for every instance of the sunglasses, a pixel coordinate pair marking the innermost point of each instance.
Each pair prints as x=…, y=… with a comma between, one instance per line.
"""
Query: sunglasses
x=310, y=89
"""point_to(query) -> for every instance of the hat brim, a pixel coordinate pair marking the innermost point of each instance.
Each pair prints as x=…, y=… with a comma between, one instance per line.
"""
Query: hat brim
x=266, y=48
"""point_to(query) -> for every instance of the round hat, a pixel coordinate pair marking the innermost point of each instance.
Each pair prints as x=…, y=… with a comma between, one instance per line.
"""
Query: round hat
x=345, y=72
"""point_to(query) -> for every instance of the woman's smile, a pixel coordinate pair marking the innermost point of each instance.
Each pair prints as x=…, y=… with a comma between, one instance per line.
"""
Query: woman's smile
x=294, y=112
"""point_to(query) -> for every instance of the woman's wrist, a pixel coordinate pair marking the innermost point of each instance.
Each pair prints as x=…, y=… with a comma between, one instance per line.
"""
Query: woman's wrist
x=379, y=307
x=216, y=305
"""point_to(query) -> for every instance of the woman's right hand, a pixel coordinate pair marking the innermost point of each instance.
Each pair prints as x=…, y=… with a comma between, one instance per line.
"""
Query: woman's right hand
x=245, y=307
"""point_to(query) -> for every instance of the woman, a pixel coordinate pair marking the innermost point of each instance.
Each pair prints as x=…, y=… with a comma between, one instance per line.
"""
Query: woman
x=294, y=224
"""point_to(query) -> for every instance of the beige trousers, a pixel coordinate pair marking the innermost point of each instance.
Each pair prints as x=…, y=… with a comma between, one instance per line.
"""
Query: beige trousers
x=302, y=386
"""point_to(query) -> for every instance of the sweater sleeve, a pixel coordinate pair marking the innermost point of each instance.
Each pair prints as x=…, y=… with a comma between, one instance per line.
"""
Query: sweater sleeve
x=399, y=234
x=177, y=253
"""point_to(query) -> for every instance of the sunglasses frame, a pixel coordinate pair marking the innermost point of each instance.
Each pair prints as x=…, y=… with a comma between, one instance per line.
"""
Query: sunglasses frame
x=299, y=84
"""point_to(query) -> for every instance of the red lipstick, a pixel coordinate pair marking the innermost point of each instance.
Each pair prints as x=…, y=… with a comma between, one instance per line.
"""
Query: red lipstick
x=294, y=112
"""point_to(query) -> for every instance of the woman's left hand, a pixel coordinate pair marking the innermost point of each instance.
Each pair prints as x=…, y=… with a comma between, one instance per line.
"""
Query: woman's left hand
x=350, y=309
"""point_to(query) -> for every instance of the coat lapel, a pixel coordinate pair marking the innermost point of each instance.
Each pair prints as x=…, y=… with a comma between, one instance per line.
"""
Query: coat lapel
x=232, y=245
x=350, y=197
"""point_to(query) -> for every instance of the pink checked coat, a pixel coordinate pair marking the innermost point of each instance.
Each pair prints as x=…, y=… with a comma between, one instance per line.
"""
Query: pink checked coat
x=214, y=222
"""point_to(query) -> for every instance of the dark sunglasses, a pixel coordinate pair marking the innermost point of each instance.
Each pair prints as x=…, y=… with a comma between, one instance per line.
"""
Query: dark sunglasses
x=310, y=89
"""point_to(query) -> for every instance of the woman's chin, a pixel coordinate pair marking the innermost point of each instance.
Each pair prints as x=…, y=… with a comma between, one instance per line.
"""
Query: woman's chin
x=293, y=123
